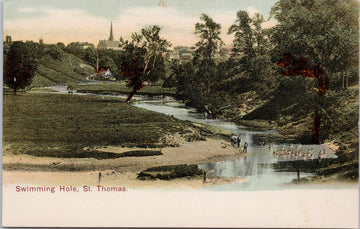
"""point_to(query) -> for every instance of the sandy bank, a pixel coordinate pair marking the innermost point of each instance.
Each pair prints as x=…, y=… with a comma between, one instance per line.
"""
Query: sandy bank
x=123, y=171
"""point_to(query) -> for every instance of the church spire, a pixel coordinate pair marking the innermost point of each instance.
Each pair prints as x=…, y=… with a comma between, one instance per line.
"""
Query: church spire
x=111, y=38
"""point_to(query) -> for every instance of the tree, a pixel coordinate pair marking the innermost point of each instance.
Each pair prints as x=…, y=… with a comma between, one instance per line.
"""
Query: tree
x=155, y=47
x=107, y=62
x=209, y=44
x=91, y=55
x=61, y=45
x=20, y=66
x=244, y=38
x=210, y=41
x=55, y=52
x=317, y=38
x=324, y=31
x=143, y=59
x=251, y=54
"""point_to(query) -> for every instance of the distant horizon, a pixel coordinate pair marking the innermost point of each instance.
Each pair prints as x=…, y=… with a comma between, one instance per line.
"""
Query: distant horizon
x=89, y=20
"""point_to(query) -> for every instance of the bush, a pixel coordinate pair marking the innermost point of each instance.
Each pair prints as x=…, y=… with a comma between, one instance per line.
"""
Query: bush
x=168, y=172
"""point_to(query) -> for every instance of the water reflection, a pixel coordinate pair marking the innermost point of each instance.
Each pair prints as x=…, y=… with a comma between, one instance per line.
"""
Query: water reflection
x=258, y=176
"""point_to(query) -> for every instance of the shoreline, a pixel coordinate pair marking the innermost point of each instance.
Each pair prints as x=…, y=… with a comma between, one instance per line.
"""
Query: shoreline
x=123, y=171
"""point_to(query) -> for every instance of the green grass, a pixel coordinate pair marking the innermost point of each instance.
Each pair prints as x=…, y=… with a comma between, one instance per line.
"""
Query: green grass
x=59, y=72
x=54, y=120
x=121, y=88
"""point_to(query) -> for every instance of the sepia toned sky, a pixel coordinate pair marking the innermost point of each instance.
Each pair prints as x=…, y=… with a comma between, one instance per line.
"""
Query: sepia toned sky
x=89, y=20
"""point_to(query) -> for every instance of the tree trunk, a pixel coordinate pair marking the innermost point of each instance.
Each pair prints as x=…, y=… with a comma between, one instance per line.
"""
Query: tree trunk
x=342, y=80
x=15, y=90
x=347, y=80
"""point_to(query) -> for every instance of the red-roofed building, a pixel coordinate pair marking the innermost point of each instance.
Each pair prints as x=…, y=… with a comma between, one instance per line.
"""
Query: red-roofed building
x=102, y=74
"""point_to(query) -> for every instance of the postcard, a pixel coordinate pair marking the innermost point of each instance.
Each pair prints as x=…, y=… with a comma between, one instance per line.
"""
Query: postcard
x=168, y=113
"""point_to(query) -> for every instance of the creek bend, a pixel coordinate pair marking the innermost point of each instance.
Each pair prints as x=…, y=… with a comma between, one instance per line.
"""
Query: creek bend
x=258, y=177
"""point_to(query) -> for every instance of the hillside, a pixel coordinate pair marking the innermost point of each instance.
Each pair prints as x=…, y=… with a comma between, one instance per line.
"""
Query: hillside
x=69, y=69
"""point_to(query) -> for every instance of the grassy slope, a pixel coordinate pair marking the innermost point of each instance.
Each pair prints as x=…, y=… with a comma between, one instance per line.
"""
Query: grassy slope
x=68, y=70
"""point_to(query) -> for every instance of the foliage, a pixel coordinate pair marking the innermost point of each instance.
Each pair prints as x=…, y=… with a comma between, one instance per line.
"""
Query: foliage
x=168, y=172
x=107, y=62
x=91, y=56
x=54, y=51
x=324, y=31
x=61, y=45
x=20, y=65
x=73, y=48
x=210, y=41
x=143, y=60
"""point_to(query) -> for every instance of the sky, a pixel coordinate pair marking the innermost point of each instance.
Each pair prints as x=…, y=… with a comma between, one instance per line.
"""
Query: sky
x=89, y=20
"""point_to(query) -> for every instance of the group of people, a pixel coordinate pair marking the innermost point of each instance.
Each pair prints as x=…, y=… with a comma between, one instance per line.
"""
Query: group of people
x=236, y=140
x=300, y=154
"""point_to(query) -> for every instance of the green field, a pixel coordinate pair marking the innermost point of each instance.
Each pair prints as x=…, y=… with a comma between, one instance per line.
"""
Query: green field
x=34, y=121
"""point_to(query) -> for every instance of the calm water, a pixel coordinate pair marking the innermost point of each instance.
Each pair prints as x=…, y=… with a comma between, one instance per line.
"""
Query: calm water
x=258, y=176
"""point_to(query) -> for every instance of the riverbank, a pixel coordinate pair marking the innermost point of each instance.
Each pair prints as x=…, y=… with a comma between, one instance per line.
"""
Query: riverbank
x=58, y=138
x=27, y=169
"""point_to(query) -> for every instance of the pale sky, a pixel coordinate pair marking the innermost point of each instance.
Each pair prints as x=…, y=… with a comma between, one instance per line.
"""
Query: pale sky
x=89, y=20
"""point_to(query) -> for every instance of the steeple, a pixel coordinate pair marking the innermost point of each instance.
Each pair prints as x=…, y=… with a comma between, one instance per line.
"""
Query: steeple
x=111, y=38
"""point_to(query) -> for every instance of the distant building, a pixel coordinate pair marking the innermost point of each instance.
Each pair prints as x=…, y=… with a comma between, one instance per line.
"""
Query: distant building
x=102, y=74
x=181, y=53
x=82, y=45
x=110, y=43
x=186, y=56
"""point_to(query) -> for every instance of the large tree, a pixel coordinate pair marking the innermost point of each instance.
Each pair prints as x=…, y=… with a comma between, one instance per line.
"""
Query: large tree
x=20, y=65
x=204, y=59
x=324, y=31
x=143, y=57
x=250, y=54
x=210, y=42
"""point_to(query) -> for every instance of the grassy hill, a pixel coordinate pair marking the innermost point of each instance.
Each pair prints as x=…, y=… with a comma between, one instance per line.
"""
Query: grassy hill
x=69, y=69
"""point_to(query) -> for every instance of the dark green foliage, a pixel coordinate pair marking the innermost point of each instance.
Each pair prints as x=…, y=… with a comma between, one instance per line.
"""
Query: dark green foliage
x=324, y=31
x=91, y=56
x=106, y=62
x=20, y=65
x=54, y=51
x=76, y=50
x=169, y=172
x=61, y=45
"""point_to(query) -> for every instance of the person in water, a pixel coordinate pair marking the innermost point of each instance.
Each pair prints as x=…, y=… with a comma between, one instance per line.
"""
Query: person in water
x=238, y=139
x=245, y=147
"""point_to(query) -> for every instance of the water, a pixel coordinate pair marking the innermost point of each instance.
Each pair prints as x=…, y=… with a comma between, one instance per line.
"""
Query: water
x=258, y=176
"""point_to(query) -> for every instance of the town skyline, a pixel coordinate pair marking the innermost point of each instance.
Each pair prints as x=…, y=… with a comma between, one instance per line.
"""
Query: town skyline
x=71, y=21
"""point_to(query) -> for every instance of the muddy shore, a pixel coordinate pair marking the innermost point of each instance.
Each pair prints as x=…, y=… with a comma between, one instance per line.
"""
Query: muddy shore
x=123, y=171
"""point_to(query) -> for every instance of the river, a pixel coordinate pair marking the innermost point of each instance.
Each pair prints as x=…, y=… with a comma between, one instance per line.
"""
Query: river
x=258, y=177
